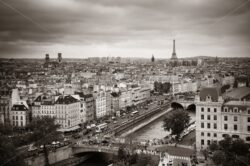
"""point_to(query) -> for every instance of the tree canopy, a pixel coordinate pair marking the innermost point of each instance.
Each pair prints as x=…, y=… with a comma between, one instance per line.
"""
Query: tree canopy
x=229, y=151
x=176, y=121
x=218, y=157
x=44, y=132
x=8, y=153
x=162, y=87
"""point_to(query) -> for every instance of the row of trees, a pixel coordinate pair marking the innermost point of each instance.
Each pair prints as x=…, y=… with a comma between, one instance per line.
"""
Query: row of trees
x=229, y=152
x=162, y=87
x=43, y=131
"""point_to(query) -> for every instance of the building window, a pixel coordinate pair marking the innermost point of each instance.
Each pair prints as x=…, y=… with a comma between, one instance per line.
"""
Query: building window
x=215, y=109
x=202, y=125
x=225, y=126
x=248, y=128
x=235, y=109
x=202, y=142
x=235, y=118
x=225, y=118
x=202, y=116
x=208, y=134
x=225, y=109
x=208, y=117
x=215, y=134
x=248, y=111
x=208, y=142
x=235, y=127
x=215, y=126
x=247, y=138
x=215, y=117
x=208, y=125
x=248, y=119
x=202, y=133
x=202, y=109
x=208, y=109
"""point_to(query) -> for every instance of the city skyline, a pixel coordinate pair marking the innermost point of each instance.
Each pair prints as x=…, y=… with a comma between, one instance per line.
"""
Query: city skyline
x=81, y=29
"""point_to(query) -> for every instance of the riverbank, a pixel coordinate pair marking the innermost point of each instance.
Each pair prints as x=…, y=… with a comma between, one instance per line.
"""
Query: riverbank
x=145, y=123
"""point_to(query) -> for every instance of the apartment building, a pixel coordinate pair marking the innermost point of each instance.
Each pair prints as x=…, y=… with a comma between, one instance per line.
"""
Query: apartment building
x=20, y=114
x=140, y=95
x=100, y=104
x=65, y=109
x=125, y=98
x=208, y=116
x=185, y=87
x=216, y=119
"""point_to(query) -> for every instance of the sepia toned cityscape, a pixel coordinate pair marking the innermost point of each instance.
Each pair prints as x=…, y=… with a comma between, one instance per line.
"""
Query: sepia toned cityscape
x=125, y=83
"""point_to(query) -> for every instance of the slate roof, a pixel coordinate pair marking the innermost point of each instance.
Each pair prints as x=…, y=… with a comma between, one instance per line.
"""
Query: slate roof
x=68, y=99
x=19, y=107
x=213, y=92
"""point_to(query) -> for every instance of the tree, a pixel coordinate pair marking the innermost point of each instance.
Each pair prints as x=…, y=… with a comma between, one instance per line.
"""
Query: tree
x=218, y=157
x=122, y=155
x=5, y=129
x=226, y=143
x=176, y=121
x=239, y=147
x=162, y=87
x=157, y=86
x=213, y=146
x=205, y=153
x=8, y=153
x=44, y=132
x=233, y=149
x=166, y=87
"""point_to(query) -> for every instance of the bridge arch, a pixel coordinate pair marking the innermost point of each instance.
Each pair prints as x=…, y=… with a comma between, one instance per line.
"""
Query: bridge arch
x=176, y=105
x=191, y=108
x=102, y=157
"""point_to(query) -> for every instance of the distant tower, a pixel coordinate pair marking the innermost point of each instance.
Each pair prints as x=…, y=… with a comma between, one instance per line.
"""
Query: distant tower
x=153, y=58
x=59, y=57
x=47, y=58
x=174, y=57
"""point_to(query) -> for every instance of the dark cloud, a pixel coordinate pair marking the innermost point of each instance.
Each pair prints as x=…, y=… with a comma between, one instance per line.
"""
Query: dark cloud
x=138, y=25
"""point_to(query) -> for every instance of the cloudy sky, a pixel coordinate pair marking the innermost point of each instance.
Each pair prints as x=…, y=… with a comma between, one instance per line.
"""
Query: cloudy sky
x=125, y=28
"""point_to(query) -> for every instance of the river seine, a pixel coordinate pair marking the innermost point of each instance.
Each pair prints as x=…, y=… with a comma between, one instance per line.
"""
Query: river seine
x=151, y=131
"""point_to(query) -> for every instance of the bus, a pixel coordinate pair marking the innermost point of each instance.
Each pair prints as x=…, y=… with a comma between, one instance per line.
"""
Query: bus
x=134, y=113
x=101, y=127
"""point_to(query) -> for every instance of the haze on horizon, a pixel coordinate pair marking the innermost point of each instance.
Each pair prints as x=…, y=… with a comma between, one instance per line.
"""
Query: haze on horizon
x=125, y=28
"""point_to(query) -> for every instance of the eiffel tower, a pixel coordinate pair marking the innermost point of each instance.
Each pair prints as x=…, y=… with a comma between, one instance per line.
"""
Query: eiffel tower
x=174, y=57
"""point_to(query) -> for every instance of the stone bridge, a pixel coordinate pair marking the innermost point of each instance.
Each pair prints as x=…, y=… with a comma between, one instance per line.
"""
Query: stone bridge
x=183, y=103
